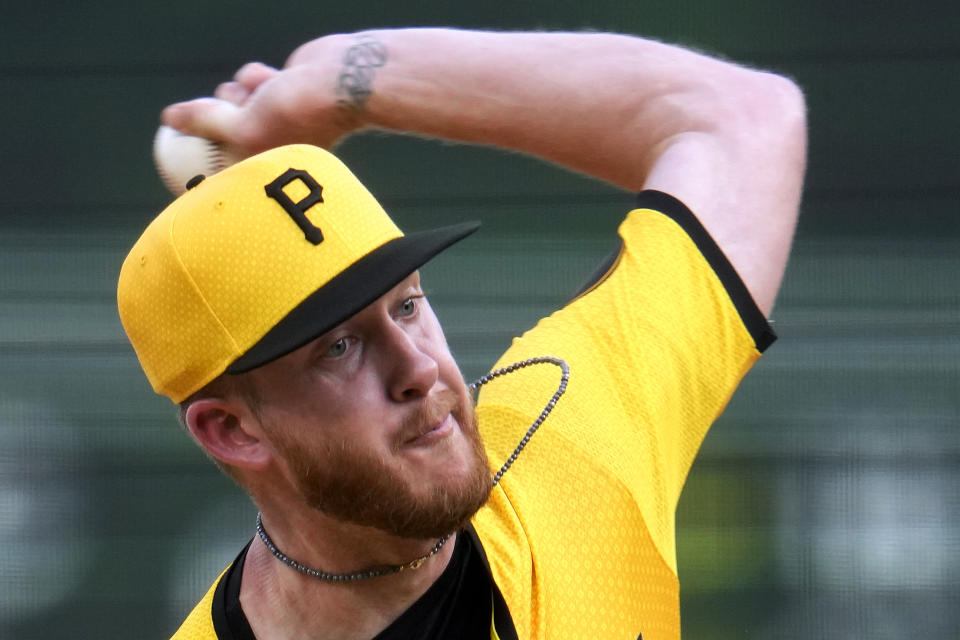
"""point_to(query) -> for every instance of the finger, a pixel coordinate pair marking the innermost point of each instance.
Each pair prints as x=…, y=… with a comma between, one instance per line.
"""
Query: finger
x=253, y=74
x=232, y=92
x=206, y=117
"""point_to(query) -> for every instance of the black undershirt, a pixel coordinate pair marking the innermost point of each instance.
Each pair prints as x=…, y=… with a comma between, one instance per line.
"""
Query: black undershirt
x=457, y=605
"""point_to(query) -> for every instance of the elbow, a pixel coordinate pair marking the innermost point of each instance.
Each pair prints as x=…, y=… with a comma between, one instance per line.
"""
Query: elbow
x=771, y=113
x=751, y=116
x=788, y=109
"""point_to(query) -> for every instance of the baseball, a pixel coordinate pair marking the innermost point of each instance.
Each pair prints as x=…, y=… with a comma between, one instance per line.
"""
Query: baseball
x=180, y=157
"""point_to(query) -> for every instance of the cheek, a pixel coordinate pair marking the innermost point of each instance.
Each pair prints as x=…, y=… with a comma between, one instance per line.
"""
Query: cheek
x=431, y=325
x=433, y=335
x=449, y=369
x=353, y=410
x=320, y=398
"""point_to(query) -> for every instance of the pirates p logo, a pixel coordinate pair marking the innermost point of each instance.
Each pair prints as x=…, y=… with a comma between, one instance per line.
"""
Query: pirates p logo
x=298, y=210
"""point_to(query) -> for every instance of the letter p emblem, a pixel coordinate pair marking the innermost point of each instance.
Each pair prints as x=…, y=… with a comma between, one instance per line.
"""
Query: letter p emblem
x=298, y=210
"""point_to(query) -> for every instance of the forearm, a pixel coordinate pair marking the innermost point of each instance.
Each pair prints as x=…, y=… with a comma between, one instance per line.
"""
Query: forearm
x=604, y=104
x=728, y=141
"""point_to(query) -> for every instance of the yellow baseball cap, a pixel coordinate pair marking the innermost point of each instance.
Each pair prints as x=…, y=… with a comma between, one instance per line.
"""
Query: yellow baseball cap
x=256, y=261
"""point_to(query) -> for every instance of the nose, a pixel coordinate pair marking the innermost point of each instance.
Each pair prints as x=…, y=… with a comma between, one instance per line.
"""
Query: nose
x=413, y=371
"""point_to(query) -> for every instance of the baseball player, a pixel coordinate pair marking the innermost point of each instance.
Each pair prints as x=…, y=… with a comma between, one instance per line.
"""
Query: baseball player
x=281, y=308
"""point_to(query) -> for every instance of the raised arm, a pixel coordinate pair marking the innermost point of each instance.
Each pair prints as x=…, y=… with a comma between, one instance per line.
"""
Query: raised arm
x=727, y=141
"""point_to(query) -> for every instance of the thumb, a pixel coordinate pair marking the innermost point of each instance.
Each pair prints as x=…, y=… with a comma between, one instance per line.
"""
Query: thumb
x=205, y=117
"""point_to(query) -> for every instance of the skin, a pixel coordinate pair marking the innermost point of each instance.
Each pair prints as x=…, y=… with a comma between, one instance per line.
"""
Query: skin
x=728, y=141
x=368, y=378
x=381, y=398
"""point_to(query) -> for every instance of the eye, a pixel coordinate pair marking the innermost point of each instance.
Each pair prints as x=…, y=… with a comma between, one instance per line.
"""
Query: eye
x=407, y=308
x=338, y=348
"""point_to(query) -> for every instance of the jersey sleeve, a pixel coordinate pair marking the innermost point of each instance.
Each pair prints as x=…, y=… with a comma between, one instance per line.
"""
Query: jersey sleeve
x=655, y=346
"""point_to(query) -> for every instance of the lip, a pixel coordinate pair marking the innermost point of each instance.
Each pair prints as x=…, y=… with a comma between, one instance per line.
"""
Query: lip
x=434, y=434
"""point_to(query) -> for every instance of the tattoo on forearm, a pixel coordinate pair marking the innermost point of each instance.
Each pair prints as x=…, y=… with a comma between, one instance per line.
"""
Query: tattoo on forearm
x=355, y=82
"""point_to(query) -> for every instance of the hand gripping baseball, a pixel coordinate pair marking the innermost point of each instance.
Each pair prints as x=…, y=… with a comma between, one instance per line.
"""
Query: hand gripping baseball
x=264, y=107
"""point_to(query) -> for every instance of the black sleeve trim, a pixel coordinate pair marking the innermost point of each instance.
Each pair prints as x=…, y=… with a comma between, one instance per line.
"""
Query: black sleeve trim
x=753, y=319
x=502, y=620
x=229, y=621
x=601, y=273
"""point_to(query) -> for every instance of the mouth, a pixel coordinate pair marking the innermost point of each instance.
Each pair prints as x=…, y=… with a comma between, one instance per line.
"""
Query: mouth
x=432, y=433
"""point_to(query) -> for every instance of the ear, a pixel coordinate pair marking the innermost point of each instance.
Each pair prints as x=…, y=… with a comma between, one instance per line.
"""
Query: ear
x=228, y=432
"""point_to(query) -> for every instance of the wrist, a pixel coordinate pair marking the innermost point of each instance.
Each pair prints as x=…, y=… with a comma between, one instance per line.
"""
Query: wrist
x=362, y=57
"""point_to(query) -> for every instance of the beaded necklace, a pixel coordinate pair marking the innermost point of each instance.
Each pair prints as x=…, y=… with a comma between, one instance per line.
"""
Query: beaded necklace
x=376, y=572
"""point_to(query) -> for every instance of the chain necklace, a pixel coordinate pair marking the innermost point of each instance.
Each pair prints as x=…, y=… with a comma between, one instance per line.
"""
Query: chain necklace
x=326, y=576
x=561, y=388
x=376, y=572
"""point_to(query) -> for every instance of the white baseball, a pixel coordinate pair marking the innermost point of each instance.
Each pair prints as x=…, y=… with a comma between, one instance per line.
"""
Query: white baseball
x=180, y=157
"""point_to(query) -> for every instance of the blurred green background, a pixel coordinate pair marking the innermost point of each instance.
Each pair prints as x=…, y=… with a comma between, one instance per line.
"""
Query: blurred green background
x=826, y=501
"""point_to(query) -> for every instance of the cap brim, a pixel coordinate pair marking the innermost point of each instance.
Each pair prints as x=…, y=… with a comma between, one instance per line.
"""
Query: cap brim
x=350, y=291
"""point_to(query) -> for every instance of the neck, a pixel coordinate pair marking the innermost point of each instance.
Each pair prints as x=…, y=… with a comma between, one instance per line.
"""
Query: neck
x=281, y=602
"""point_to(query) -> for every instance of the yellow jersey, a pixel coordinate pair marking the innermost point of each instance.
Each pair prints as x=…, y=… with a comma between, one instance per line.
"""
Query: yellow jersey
x=578, y=535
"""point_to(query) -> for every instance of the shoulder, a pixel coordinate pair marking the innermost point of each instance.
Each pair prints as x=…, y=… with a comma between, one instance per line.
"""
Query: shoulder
x=199, y=624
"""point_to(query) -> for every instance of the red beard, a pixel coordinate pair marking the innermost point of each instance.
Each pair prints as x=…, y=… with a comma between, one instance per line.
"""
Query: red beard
x=355, y=485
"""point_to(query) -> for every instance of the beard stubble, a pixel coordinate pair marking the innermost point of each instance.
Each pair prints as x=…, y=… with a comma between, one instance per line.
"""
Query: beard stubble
x=355, y=485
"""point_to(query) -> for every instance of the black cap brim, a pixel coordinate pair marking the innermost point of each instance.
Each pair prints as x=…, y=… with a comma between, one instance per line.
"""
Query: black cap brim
x=349, y=292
